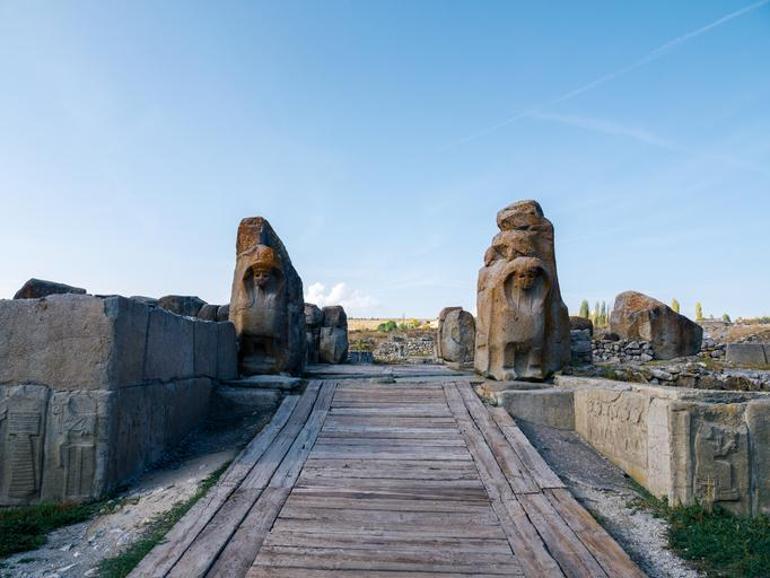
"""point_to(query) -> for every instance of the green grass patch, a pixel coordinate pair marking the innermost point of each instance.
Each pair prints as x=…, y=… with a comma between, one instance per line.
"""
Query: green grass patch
x=25, y=528
x=717, y=542
x=122, y=564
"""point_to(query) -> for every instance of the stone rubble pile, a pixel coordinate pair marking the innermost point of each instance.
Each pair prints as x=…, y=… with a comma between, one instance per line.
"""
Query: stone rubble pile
x=405, y=350
x=711, y=348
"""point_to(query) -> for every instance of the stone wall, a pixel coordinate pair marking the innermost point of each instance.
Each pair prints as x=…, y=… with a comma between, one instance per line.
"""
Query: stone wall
x=622, y=351
x=405, y=350
x=687, y=445
x=93, y=390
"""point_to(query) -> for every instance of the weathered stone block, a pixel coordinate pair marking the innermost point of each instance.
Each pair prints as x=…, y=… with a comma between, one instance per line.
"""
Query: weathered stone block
x=169, y=347
x=687, y=445
x=187, y=305
x=64, y=341
x=747, y=354
x=206, y=337
x=227, y=348
x=130, y=321
x=553, y=407
x=37, y=288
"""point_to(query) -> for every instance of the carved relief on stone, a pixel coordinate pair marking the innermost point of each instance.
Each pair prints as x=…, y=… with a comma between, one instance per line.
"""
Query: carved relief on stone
x=22, y=431
x=74, y=426
x=523, y=325
x=720, y=455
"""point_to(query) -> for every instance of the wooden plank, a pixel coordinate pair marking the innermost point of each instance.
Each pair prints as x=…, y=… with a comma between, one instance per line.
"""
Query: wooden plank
x=390, y=432
x=289, y=572
x=396, y=410
x=373, y=527
x=522, y=536
x=430, y=489
x=512, y=466
x=160, y=560
x=427, y=561
x=394, y=505
x=390, y=421
x=605, y=549
x=387, y=518
x=388, y=541
x=392, y=453
x=534, y=463
x=401, y=493
x=200, y=554
x=573, y=557
x=394, y=471
x=349, y=441
x=240, y=552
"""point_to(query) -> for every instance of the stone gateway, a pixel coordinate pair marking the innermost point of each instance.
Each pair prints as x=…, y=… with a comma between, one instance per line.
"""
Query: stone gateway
x=266, y=304
x=522, y=329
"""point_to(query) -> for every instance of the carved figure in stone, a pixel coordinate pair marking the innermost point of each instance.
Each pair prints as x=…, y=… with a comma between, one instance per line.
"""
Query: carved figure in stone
x=266, y=305
x=75, y=421
x=22, y=427
x=716, y=476
x=260, y=311
x=523, y=325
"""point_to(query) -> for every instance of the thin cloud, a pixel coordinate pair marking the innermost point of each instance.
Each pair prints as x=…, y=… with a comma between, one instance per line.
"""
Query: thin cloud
x=607, y=127
x=651, y=56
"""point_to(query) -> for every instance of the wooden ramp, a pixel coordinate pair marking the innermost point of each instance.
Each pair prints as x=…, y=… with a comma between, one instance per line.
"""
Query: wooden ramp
x=354, y=478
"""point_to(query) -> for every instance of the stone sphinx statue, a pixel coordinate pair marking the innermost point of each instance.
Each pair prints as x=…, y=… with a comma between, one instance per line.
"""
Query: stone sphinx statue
x=266, y=304
x=522, y=325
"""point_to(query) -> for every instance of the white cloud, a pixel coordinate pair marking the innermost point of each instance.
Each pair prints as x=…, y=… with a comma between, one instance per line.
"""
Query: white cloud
x=353, y=300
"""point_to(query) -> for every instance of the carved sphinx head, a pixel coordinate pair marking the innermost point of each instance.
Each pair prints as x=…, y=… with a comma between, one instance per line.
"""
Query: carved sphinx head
x=527, y=270
x=265, y=267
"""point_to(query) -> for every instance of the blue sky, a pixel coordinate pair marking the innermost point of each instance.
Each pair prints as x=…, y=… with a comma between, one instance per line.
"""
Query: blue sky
x=380, y=138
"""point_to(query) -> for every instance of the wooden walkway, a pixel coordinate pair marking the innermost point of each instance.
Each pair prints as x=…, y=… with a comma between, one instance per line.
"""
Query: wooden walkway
x=355, y=478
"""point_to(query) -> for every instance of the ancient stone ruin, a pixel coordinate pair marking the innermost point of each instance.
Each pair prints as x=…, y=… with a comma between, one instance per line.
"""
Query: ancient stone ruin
x=266, y=304
x=456, y=340
x=93, y=389
x=333, y=337
x=522, y=330
x=313, y=319
x=636, y=316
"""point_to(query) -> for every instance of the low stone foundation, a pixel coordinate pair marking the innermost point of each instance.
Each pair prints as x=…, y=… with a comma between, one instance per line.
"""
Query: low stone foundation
x=406, y=350
x=93, y=390
x=683, y=444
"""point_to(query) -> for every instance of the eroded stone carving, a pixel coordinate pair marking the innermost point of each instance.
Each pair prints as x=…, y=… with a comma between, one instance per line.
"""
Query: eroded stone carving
x=266, y=305
x=22, y=431
x=523, y=325
x=313, y=319
x=456, y=336
x=333, y=342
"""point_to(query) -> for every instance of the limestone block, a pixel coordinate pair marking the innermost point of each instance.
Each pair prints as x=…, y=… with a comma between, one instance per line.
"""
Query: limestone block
x=747, y=354
x=333, y=337
x=758, y=421
x=206, y=337
x=553, y=407
x=456, y=335
x=229, y=403
x=223, y=312
x=187, y=403
x=23, y=413
x=63, y=341
x=227, y=348
x=169, y=347
x=129, y=318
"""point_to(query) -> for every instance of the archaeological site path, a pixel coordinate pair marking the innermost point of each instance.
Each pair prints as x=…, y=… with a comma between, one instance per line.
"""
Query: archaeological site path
x=361, y=477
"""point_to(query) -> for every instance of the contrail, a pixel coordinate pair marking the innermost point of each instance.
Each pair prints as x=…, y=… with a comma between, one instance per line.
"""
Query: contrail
x=651, y=56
